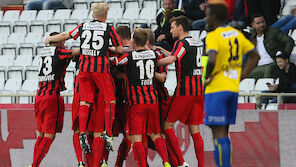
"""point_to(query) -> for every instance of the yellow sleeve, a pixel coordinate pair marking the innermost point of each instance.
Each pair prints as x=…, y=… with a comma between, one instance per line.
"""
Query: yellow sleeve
x=247, y=45
x=211, y=42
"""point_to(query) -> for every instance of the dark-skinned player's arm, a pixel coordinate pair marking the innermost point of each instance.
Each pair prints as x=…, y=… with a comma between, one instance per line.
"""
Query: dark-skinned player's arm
x=253, y=58
x=210, y=66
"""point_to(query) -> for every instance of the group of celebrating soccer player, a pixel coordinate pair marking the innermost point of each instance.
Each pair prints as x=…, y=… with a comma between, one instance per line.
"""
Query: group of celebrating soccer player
x=119, y=88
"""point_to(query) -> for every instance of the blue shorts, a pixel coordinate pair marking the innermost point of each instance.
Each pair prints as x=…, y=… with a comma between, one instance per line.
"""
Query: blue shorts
x=220, y=108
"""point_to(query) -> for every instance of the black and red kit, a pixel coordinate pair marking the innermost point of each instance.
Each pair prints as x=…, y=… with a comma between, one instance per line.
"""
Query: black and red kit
x=94, y=44
x=140, y=71
x=53, y=62
x=188, y=67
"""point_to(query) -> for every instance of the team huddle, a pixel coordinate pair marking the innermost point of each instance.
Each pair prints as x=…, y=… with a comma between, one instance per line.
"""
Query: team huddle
x=119, y=88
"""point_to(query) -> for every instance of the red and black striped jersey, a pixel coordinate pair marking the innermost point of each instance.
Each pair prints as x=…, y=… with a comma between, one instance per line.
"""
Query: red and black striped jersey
x=76, y=83
x=188, y=67
x=161, y=89
x=94, y=44
x=140, y=76
x=53, y=62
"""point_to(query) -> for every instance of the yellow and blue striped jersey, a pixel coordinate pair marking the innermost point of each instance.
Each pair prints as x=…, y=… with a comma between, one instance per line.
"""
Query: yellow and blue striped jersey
x=230, y=45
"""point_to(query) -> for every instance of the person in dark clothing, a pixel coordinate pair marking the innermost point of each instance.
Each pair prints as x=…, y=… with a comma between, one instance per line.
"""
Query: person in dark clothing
x=287, y=77
x=195, y=11
x=162, y=33
x=287, y=80
x=269, y=8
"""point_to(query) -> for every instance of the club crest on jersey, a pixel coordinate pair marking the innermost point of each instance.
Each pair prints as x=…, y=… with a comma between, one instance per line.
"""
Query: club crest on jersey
x=229, y=34
x=94, y=26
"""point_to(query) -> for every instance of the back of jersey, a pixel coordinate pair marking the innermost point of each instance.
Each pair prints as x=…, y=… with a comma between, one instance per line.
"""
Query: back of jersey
x=230, y=45
x=141, y=69
x=188, y=67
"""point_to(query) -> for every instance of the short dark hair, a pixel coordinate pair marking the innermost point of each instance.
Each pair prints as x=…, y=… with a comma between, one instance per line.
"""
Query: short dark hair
x=283, y=54
x=53, y=33
x=219, y=10
x=181, y=20
x=255, y=15
x=140, y=36
x=124, y=32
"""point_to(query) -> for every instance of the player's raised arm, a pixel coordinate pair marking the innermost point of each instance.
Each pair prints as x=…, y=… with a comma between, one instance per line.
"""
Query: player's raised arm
x=57, y=38
x=251, y=63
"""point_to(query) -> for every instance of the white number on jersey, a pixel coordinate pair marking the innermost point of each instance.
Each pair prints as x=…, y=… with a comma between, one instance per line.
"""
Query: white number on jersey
x=149, y=68
x=48, y=65
x=97, y=39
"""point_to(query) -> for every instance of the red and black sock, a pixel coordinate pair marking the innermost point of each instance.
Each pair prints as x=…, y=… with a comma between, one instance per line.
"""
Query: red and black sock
x=98, y=148
x=139, y=154
x=161, y=149
x=199, y=148
x=172, y=157
x=77, y=147
x=173, y=143
x=42, y=151
x=83, y=117
x=38, y=141
x=109, y=111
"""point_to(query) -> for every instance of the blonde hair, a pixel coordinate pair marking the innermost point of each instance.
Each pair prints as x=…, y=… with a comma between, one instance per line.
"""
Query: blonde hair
x=100, y=10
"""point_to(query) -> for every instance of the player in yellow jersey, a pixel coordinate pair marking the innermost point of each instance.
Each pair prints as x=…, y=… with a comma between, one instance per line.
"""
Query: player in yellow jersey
x=224, y=47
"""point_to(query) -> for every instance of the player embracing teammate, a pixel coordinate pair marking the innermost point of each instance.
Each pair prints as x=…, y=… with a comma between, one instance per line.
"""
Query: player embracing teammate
x=94, y=74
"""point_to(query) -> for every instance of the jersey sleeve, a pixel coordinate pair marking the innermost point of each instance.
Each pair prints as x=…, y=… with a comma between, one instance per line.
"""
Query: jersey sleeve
x=161, y=56
x=64, y=53
x=178, y=51
x=114, y=37
x=211, y=43
x=122, y=59
x=247, y=46
x=75, y=32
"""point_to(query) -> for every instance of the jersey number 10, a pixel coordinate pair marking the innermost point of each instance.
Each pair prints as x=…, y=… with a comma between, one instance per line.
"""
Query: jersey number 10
x=149, y=69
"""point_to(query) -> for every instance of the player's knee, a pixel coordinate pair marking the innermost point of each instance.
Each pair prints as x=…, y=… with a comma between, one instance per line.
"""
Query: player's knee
x=136, y=138
x=84, y=103
x=77, y=131
x=41, y=134
x=154, y=136
x=193, y=129
x=168, y=125
x=51, y=136
x=97, y=134
x=113, y=101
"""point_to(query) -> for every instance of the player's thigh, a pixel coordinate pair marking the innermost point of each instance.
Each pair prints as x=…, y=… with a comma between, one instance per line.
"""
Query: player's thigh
x=97, y=119
x=52, y=118
x=197, y=112
x=137, y=119
x=104, y=82
x=232, y=108
x=179, y=109
x=153, y=119
x=86, y=87
x=216, y=108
